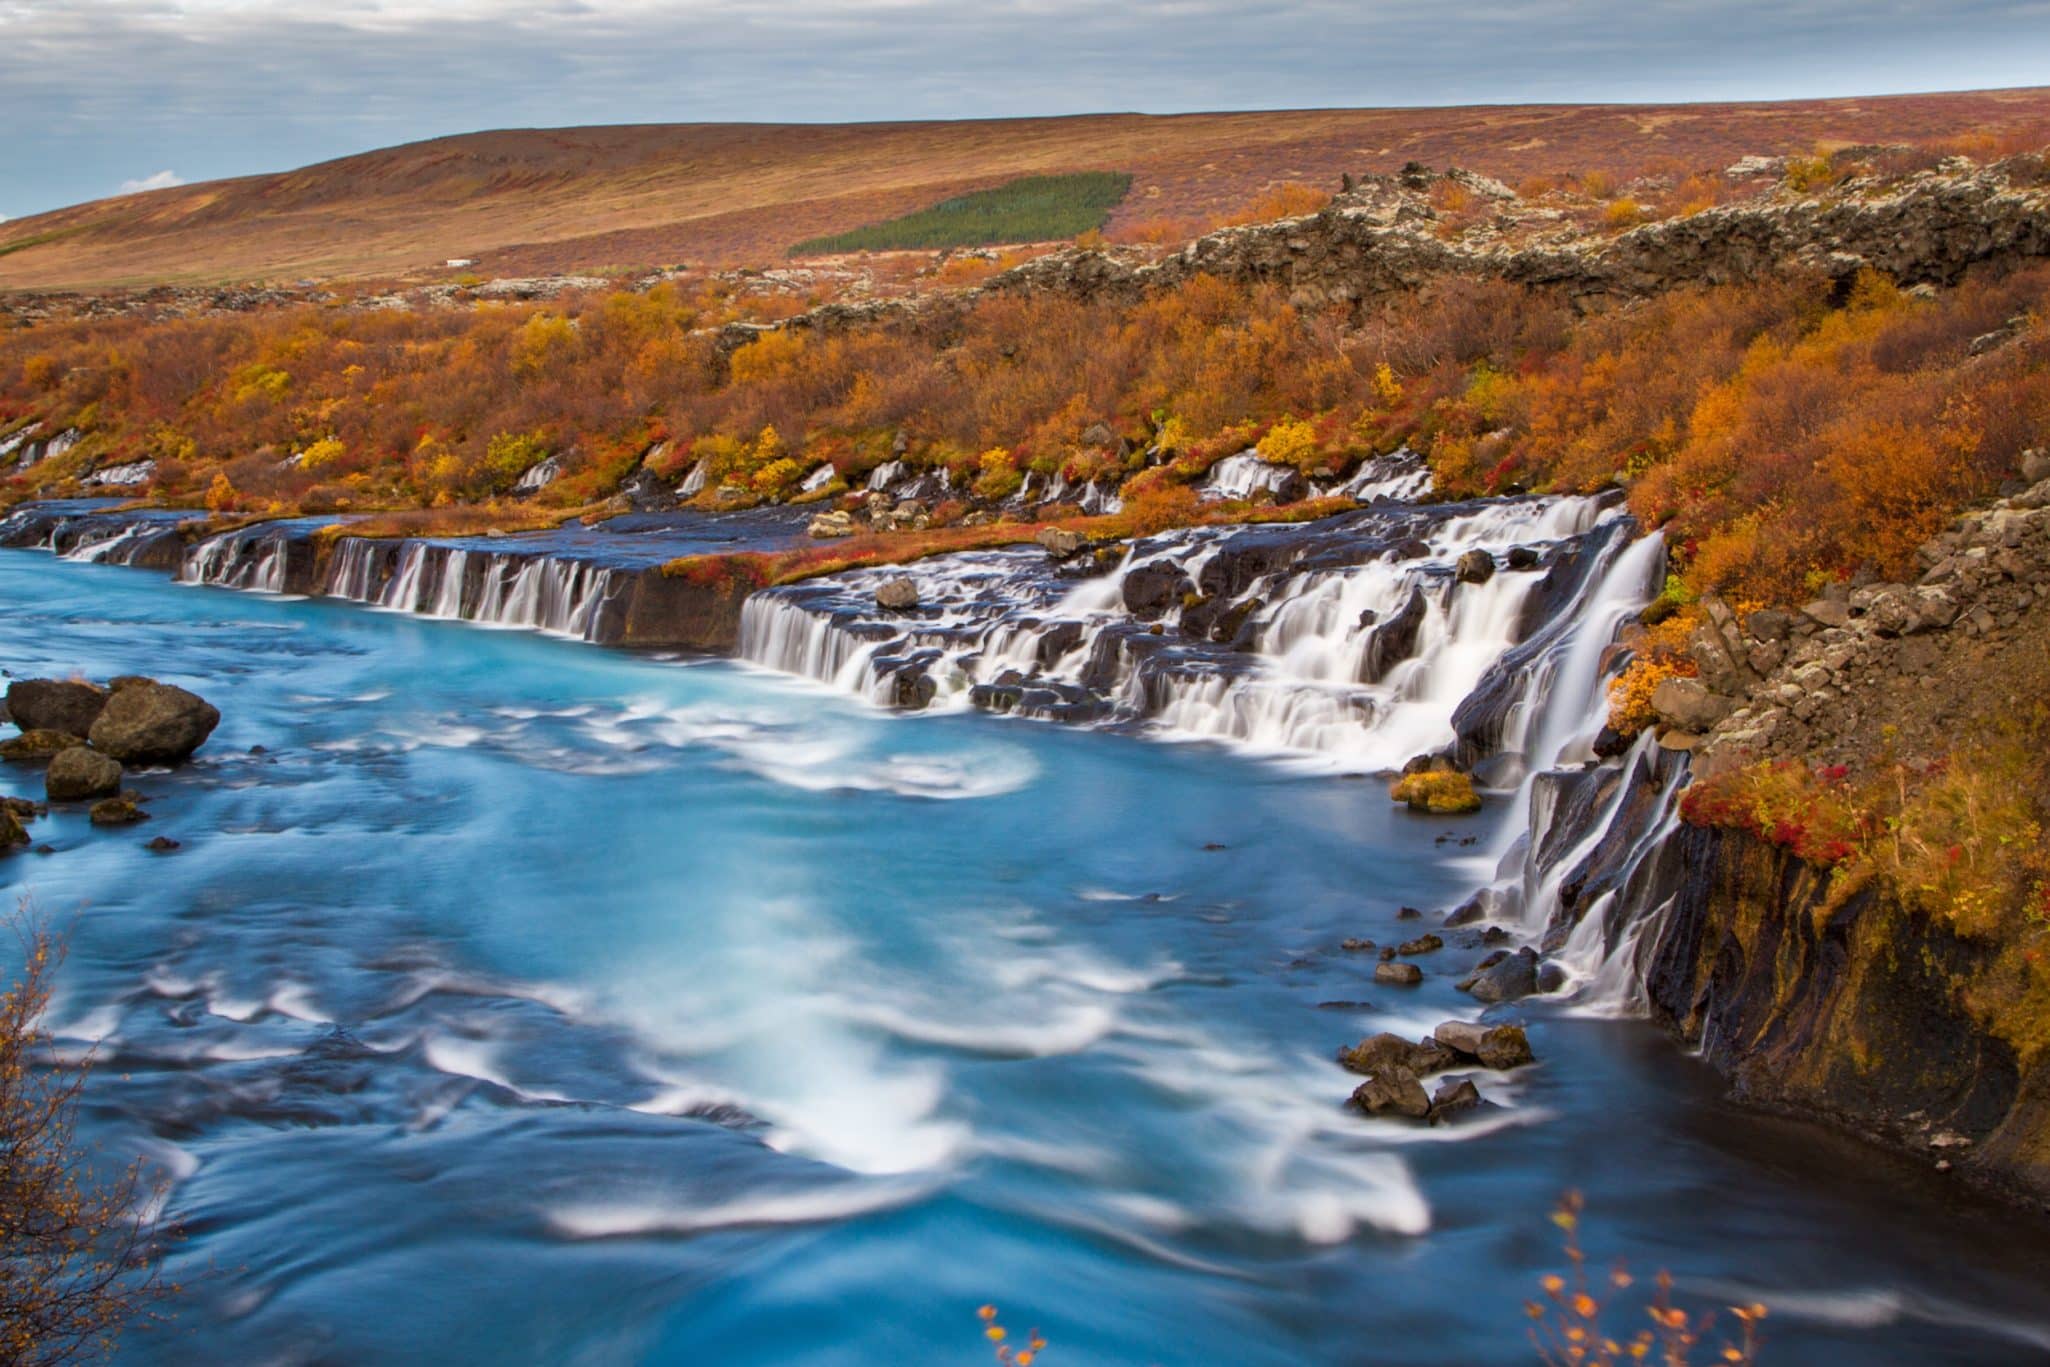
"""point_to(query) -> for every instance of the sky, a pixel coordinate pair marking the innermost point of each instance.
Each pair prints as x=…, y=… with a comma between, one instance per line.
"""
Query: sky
x=101, y=97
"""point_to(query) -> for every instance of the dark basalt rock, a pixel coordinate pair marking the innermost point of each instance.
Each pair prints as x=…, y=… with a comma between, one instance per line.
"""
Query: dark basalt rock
x=1508, y=978
x=67, y=705
x=1393, y=640
x=1153, y=589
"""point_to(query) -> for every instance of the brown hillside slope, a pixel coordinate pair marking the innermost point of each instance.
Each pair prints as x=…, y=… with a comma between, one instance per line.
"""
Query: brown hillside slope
x=581, y=199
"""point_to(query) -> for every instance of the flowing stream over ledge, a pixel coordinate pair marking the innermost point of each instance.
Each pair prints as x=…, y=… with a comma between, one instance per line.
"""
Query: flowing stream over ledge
x=545, y=1004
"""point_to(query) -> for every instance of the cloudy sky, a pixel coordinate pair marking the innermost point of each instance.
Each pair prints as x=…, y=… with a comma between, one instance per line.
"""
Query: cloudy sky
x=99, y=96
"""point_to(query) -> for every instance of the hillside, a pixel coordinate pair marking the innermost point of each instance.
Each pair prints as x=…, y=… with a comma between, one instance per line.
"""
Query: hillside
x=533, y=201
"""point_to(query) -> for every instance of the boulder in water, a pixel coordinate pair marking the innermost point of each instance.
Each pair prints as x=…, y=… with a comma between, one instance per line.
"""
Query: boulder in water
x=1455, y=1097
x=163, y=844
x=37, y=745
x=1522, y=558
x=117, y=811
x=898, y=595
x=80, y=773
x=11, y=832
x=1060, y=543
x=1475, y=567
x=1422, y=944
x=1393, y=1091
x=912, y=689
x=1385, y=1050
x=67, y=705
x=1153, y=588
x=1492, y=1046
x=1506, y=979
x=1398, y=974
x=153, y=723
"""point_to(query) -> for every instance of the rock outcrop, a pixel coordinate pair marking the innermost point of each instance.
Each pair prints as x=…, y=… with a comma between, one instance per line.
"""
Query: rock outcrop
x=1879, y=665
x=1856, y=1009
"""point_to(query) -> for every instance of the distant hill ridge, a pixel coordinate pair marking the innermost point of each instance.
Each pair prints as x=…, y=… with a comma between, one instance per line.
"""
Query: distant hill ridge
x=583, y=199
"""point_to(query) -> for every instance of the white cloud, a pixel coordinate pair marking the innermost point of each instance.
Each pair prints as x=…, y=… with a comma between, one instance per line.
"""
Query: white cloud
x=162, y=180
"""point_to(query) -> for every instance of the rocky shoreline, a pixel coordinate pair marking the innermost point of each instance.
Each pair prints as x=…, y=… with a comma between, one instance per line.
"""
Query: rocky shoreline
x=86, y=737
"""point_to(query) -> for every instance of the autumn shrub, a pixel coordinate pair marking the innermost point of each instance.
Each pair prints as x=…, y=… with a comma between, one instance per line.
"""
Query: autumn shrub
x=80, y=1257
x=1657, y=653
x=1439, y=791
x=1567, y=1323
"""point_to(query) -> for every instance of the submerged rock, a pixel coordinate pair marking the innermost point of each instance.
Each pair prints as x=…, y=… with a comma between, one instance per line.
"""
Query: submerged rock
x=37, y=745
x=162, y=844
x=117, y=811
x=1422, y=944
x=11, y=832
x=80, y=773
x=146, y=722
x=67, y=705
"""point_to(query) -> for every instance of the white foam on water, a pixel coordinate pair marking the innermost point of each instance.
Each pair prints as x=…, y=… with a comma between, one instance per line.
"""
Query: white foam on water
x=805, y=1206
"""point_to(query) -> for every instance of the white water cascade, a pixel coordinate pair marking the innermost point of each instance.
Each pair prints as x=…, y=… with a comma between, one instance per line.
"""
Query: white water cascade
x=497, y=588
x=1352, y=640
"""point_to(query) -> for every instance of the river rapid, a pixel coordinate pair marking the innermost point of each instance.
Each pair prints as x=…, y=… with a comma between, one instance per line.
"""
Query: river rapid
x=517, y=1000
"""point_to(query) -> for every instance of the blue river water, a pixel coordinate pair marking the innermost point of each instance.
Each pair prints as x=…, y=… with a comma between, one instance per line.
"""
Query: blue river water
x=513, y=1000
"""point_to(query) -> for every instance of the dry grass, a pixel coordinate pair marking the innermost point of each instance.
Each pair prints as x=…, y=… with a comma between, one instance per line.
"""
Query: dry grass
x=527, y=202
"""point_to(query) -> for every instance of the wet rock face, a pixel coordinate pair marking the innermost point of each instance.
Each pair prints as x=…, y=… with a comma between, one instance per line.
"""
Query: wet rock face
x=1805, y=1001
x=67, y=705
x=153, y=723
x=81, y=773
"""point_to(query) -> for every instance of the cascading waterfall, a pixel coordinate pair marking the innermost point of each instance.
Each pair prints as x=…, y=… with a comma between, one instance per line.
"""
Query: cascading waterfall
x=1354, y=639
x=252, y=558
x=498, y=588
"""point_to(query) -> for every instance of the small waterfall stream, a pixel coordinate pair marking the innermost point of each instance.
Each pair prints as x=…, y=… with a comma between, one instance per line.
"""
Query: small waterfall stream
x=497, y=588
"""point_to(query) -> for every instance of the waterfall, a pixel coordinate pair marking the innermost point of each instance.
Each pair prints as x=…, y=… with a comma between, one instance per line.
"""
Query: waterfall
x=251, y=558
x=496, y=588
x=1353, y=639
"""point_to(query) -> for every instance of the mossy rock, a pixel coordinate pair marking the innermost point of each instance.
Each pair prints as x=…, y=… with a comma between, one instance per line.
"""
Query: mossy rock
x=117, y=811
x=11, y=832
x=37, y=745
x=1441, y=792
